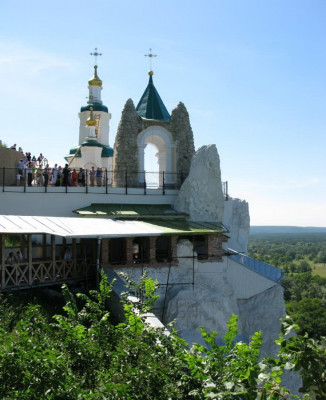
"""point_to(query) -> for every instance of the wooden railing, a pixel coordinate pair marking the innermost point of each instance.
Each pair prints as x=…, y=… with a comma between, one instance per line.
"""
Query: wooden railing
x=40, y=273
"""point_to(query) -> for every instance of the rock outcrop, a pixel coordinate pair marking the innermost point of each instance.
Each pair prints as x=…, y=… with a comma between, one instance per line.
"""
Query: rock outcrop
x=201, y=195
x=236, y=219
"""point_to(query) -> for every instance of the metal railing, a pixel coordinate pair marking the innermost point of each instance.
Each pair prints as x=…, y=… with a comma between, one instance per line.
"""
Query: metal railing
x=12, y=181
x=40, y=273
x=10, y=178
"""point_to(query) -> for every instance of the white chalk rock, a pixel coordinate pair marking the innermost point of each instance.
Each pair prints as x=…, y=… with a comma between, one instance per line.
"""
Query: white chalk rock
x=236, y=219
x=201, y=195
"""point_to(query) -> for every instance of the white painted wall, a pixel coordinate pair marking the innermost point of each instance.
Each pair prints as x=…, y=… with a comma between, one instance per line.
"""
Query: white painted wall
x=104, y=128
x=56, y=204
x=245, y=282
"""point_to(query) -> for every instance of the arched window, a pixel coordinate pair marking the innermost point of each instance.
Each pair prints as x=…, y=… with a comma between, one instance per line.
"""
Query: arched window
x=162, y=140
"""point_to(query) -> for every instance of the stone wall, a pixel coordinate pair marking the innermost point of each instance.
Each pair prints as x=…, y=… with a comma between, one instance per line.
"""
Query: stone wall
x=9, y=159
x=125, y=156
x=182, y=133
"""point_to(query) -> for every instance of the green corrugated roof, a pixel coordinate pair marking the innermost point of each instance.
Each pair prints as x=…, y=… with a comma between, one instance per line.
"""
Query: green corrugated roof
x=184, y=227
x=131, y=211
x=161, y=216
x=151, y=105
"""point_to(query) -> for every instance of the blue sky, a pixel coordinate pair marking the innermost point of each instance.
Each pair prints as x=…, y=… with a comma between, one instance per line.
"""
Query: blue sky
x=251, y=74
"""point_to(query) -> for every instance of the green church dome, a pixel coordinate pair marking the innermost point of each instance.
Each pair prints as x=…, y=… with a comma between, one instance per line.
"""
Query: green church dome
x=107, y=151
x=95, y=106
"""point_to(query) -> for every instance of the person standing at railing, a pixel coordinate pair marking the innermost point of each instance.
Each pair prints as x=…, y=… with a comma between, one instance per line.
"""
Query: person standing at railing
x=99, y=176
x=18, y=178
x=65, y=174
x=39, y=176
x=34, y=169
x=46, y=175
x=20, y=166
x=40, y=159
x=92, y=174
x=29, y=172
x=54, y=174
x=74, y=177
x=81, y=177
x=60, y=177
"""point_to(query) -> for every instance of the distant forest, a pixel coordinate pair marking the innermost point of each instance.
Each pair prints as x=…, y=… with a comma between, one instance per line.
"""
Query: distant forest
x=302, y=257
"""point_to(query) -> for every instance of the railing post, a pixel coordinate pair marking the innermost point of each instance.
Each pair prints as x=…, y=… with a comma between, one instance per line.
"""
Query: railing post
x=3, y=260
x=106, y=181
x=163, y=183
x=3, y=178
x=126, y=181
x=30, y=260
x=86, y=180
x=25, y=177
x=144, y=183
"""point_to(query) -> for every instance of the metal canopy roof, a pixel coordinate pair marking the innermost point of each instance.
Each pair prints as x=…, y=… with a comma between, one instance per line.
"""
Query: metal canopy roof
x=101, y=227
x=75, y=227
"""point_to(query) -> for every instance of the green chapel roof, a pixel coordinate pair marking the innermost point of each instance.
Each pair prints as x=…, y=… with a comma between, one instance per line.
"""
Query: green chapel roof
x=151, y=105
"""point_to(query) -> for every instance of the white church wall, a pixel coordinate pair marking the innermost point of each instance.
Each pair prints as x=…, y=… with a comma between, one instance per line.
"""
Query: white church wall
x=104, y=129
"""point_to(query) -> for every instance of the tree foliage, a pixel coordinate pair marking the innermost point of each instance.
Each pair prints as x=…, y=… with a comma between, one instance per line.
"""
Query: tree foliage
x=81, y=354
x=304, y=293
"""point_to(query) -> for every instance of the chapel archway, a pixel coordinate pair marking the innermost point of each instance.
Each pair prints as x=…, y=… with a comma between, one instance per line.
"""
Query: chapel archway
x=161, y=139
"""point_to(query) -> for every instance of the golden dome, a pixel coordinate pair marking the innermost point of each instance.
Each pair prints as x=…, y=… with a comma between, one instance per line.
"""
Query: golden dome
x=95, y=81
x=150, y=73
x=90, y=120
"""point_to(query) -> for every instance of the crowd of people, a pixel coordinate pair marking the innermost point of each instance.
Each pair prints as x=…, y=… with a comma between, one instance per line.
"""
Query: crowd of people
x=37, y=172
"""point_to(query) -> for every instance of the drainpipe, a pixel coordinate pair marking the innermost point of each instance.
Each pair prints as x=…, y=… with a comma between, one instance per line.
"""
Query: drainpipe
x=98, y=263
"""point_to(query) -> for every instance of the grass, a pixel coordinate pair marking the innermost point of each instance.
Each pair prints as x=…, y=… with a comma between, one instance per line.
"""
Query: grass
x=319, y=269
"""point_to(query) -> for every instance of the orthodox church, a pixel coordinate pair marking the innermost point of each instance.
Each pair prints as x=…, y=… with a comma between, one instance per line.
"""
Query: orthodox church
x=93, y=149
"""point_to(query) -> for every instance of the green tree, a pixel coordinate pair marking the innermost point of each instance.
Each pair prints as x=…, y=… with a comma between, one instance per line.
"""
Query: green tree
x=81, y=354
x=310, y=315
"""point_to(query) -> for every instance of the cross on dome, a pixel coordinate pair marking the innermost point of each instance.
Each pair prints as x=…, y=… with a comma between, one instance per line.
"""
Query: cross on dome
x=95, y=54
x=150, y=55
